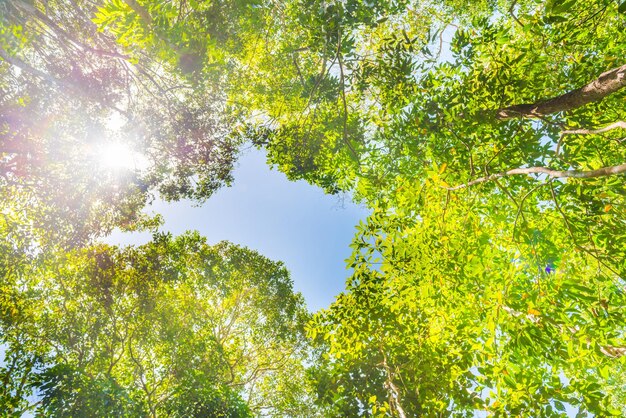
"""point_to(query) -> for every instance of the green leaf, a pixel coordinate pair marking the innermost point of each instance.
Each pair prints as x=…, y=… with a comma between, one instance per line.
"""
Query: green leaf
x=559, y=406
x=558, y=6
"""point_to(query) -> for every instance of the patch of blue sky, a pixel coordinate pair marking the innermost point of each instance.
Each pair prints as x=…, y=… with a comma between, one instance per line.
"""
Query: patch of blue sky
x=292, y=222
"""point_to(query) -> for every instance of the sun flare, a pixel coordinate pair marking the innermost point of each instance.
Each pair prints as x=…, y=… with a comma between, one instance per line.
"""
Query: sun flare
x=119, y=156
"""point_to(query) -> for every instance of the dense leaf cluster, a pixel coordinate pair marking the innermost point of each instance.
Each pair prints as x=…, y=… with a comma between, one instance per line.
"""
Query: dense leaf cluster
x=175, y=327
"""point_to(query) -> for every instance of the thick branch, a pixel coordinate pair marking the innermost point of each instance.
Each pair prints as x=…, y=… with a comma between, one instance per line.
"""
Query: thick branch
x=140, y=10
x=620, y=124
x=601, y=172
x=22, y=65
x=609, y=82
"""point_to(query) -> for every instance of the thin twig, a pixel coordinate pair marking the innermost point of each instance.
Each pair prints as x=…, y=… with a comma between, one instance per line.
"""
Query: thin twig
x=343, y=99
x=571, y=232
x=521, y=206
x=512, y=13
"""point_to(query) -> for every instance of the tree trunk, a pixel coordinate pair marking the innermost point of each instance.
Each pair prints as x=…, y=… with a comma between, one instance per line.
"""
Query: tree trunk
x=608, y=83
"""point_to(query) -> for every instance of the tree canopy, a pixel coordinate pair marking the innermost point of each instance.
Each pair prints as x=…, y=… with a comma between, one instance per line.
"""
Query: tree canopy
x=486, y=138
x=175, y=327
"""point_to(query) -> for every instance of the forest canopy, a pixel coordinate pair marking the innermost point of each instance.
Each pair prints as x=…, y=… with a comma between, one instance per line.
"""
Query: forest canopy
x=486, y=138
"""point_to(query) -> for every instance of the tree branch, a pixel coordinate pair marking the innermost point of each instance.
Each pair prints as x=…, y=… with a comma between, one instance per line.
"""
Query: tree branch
x=620, y=124
x=394, y=392
x=512, y=13
x=614, y=352
x=63, y=34
x=601, y=172
x=609, y=82
x=50, y=79
x=22, y=65
x=140, y=10
x=344, y=102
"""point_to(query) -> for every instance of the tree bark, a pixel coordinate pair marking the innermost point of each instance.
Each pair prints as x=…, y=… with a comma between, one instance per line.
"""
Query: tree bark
x=619, y=124
x=608, y=83
x=140, y=10
x=394, y=392
x=601, y=172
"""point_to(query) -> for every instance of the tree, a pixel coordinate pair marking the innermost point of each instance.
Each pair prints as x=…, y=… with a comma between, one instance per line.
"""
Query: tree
x=175, y=327
x=74, y=91
x=445, y=314
x=528, y=134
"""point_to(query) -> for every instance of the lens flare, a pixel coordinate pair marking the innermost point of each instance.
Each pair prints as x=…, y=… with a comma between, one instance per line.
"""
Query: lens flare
x=118, y=156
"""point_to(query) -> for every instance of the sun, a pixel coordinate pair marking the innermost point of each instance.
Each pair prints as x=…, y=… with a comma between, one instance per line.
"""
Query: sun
x=118, y=156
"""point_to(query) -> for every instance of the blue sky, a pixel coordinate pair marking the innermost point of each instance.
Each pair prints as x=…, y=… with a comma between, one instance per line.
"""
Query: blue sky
x=293, y=222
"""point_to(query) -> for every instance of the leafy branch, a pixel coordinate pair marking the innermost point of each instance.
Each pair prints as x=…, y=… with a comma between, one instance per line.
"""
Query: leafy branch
x=607, y=83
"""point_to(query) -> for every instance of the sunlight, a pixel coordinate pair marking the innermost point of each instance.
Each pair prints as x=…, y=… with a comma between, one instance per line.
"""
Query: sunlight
x=119, y=156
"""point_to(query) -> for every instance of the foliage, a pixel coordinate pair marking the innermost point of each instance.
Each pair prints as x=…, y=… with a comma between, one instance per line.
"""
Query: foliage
x=490, y=275
x=414, y=117
x=73, y=93
x=175, y=327
x=458, y=317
